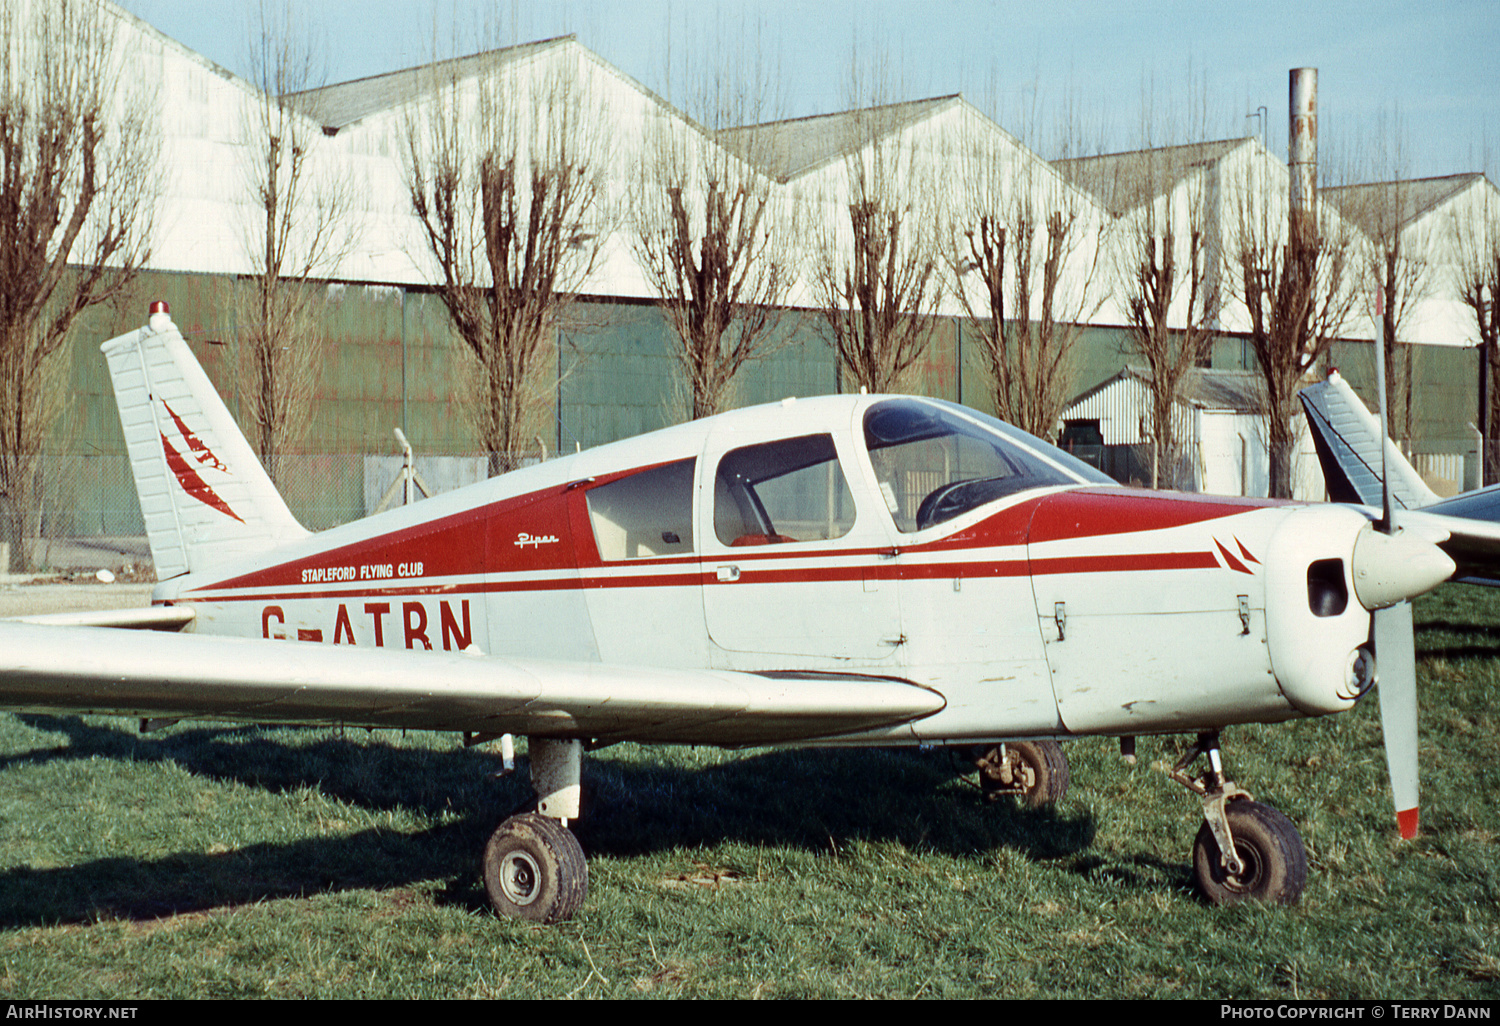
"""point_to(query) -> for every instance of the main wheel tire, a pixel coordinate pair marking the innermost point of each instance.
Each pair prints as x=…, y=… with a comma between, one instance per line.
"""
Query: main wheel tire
x=534, y=869
x=1269, y=847
x=1048, y=765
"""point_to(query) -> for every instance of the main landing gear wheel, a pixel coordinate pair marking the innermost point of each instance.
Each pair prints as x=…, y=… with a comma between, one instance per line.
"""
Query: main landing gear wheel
x=534, y=869
x=1273, y=859
x=1034, y=771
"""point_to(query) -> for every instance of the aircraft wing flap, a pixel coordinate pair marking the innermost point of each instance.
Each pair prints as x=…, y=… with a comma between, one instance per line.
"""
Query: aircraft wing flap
x=86, y=669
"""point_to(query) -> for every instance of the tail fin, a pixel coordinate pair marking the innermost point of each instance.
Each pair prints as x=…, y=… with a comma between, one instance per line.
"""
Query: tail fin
x=204, y=495
x=1347, y=437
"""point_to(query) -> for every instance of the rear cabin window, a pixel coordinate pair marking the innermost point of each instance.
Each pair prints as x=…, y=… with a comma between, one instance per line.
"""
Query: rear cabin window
x=791, y=490
x=646, y=514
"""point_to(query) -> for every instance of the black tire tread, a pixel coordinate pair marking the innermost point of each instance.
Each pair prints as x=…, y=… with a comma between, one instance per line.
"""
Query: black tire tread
x=1052, y=776
x=565, y=871
x=1274, y=843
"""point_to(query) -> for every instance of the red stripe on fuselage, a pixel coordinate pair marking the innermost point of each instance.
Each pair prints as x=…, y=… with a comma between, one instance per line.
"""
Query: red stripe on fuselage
x=1092, y=513
x=1087, y=564
x=484, y=540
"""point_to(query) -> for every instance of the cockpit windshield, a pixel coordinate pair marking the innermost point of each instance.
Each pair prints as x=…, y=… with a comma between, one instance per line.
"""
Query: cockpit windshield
x=937, y=460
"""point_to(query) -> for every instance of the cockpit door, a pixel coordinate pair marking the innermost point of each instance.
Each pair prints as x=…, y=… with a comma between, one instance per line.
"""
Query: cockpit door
x=798, y=569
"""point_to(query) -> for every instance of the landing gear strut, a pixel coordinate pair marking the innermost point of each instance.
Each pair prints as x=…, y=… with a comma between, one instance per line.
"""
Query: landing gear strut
x=1244, y=850
x=534, y=868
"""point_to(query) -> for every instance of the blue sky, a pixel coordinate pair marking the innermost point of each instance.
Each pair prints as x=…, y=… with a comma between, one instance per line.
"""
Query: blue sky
x=1435, y=63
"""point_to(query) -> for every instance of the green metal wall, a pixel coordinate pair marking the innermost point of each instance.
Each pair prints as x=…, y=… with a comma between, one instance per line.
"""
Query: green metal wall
x=390, y=360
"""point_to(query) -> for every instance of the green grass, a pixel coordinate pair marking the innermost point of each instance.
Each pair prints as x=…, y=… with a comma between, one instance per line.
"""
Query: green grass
x=216, y=861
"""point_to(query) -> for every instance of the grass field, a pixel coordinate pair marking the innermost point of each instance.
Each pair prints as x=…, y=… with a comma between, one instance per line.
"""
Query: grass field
x=220, y=861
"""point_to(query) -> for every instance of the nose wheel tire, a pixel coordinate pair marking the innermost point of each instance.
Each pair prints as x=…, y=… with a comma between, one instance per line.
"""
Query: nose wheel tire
x=1270, y=850
x=534, y=869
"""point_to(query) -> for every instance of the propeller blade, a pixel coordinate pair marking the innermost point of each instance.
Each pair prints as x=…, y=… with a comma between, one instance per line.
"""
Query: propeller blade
x=1395, y=653
x=1396, y=662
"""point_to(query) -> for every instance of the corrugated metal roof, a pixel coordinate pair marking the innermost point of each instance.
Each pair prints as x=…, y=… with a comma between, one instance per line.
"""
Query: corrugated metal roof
x=794, y=147
x=1204, y=387
x=344, y=103
x=1368, y=205
x=1123, y=181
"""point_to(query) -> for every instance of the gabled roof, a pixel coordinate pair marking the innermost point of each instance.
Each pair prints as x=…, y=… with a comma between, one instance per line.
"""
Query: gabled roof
x=1367, y=205
x=787, y=149
x=344, y=103
x=1205, y=388
x=1124, y=181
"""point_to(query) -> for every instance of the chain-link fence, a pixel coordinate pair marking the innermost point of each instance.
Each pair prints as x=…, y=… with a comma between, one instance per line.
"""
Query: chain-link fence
x=85, y=513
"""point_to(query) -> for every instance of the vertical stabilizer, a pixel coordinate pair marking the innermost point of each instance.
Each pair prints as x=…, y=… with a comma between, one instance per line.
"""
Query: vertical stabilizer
x=204, y=495
x=1347, y=437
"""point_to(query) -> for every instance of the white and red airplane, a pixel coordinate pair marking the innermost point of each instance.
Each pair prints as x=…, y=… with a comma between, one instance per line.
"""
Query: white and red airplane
x=842, y=570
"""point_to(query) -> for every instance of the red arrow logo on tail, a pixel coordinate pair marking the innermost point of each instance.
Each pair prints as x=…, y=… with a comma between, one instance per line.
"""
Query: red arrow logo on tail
x=186, y=475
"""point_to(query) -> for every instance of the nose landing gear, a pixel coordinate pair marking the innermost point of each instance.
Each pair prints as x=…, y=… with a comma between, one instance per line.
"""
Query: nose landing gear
x=1244, y=850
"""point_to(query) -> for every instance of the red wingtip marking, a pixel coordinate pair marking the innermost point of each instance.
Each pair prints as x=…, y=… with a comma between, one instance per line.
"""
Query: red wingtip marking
x=1406, y=821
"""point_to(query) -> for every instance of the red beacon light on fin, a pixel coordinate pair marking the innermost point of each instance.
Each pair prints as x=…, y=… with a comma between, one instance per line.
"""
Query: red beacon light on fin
x=161, y=316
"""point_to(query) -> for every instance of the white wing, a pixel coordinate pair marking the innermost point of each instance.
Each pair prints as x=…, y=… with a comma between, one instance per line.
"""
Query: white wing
x=150, y=674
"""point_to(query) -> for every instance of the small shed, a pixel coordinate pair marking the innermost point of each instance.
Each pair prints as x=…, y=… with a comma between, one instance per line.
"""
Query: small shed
x=1220, y=424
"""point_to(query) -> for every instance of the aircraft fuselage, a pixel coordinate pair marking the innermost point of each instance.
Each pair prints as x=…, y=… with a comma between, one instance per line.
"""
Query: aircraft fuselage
x=1072, y=607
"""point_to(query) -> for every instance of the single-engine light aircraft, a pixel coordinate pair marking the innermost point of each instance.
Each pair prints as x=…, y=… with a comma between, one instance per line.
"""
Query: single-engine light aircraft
x=842, y=570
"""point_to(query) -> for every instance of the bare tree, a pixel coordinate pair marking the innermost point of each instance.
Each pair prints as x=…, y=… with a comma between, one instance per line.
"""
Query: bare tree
x=1172, y=308
x=1023, y=252
x=78, y=187
x=1296, y=273
x=1165, y=259
x=714, y=234
x=1476, y=247
x=303, y=226
x=1394, y=273
x=877, y=259
x=506, y=167
x=1164, y=271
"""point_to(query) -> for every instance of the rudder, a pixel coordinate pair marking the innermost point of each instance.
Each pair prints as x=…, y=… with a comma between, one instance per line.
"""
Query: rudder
x=204, y=495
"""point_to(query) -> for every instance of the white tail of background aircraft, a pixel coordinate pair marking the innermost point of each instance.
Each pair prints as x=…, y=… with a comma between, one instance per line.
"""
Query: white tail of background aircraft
x=204, y=495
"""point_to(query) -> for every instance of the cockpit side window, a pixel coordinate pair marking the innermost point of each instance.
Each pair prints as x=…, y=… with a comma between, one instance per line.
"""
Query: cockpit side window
x=791, y=490
x=646, y=514
x=934, y=463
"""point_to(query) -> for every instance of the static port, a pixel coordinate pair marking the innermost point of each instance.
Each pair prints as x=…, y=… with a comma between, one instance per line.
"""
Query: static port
x=1327, y=594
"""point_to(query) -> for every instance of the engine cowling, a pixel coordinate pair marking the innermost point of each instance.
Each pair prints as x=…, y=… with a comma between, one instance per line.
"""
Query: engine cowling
x=1328, y=570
